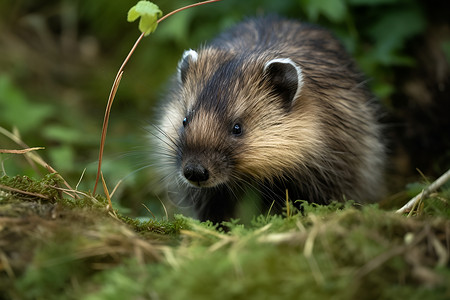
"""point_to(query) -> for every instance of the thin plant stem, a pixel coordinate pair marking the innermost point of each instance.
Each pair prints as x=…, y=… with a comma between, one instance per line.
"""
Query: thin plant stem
x=112, y=94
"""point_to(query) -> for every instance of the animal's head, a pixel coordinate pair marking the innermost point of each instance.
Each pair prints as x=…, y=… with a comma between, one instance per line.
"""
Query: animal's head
x=234, y=117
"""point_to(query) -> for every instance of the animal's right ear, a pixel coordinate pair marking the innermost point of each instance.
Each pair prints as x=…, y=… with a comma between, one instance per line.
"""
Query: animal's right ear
x=286, y=78
x=189, y=56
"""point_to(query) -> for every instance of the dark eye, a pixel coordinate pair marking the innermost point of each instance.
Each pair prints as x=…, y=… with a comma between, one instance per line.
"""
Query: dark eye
x=185, y=122
x=237, y=129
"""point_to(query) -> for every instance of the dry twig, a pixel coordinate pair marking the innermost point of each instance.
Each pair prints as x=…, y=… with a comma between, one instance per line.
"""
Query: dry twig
x=431, y=188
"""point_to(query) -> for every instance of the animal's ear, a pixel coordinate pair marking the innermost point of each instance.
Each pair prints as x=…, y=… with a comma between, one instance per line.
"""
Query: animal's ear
x=189, y=56
x=286, y=78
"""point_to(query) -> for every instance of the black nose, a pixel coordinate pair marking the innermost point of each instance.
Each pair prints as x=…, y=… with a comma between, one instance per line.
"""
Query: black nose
x=195, y=173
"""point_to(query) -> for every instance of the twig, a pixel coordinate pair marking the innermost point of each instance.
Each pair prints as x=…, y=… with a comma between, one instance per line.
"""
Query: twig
x=431, y=188
x=31, y=157
x=21, y=151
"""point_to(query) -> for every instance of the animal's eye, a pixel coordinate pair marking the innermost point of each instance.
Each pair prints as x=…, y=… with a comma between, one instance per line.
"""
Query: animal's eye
x=185, y=122
x=237, y=129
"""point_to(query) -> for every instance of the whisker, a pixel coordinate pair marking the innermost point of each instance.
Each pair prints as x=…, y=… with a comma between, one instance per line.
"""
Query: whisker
x=167, y=140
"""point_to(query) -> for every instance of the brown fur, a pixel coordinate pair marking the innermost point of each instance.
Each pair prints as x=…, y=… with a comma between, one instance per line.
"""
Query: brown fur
x=324, y=145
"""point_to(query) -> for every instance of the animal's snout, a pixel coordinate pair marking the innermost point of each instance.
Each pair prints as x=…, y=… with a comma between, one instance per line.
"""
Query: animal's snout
x=196, y=173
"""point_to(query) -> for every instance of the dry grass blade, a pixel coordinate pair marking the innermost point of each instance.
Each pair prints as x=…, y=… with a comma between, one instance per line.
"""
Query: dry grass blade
x=116, y=187
x=288, y=210
x=308, y=250
x=81, y=178
x=21, y=151
x=148, y=209
x=105, y=189
x=165, y=209
x=10, y=189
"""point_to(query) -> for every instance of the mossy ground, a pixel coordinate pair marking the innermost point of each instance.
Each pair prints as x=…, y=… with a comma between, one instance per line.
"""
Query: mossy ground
x=52, y=247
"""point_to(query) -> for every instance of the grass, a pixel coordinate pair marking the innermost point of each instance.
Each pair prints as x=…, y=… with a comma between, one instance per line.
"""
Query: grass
x=54, y=247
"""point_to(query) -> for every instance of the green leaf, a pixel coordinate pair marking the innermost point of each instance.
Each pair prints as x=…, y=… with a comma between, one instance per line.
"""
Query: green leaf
x=65, y=134
x=392, y=32
x=149, y=14
x=63, y=157
x=16, y=108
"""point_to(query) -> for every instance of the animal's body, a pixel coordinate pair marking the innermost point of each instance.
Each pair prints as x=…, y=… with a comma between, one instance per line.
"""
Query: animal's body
x=274, y=104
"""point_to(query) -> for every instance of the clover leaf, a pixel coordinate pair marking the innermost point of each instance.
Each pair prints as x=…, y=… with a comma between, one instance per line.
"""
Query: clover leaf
x=149, y=13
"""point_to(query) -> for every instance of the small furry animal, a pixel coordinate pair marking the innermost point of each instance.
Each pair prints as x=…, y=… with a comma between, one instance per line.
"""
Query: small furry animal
x=274, y=104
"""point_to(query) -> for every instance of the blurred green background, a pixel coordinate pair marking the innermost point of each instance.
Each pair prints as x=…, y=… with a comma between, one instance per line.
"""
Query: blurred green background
x=58, y=60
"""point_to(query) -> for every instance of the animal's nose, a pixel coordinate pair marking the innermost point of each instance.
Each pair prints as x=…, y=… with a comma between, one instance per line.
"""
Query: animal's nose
x=196, y=173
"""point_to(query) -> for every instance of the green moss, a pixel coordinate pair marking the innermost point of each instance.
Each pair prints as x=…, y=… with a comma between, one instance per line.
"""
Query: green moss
x=354, y=254
x=86, y=201
x=68, y=248
x=162, y=227
x=44, y=186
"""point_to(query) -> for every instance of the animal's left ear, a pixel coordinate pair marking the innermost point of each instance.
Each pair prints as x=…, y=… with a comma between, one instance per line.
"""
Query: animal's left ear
x=189, y=57
x=286, y=78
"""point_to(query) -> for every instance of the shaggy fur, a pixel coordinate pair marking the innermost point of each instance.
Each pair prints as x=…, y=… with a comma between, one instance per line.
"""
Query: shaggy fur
x=275, y=104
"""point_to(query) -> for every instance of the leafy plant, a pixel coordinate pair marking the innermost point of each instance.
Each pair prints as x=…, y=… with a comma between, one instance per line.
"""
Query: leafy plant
x=149, y=14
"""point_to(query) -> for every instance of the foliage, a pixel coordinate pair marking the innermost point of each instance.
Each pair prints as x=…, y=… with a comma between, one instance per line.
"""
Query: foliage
x=149, y=14
x=16, y=108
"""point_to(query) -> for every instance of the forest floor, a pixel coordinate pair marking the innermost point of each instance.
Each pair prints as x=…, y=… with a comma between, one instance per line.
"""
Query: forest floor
x=56, y=247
